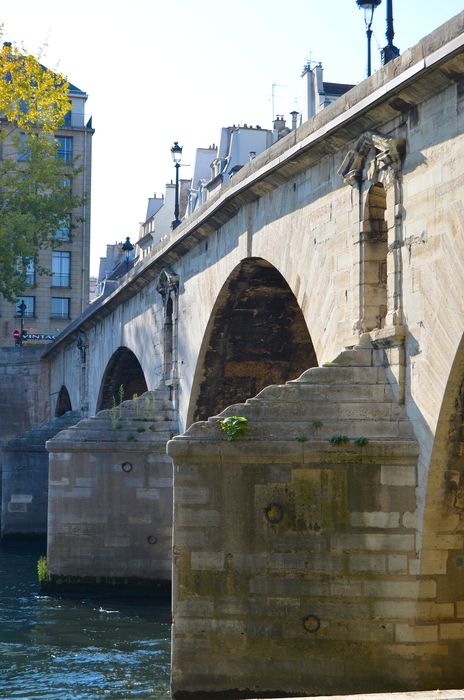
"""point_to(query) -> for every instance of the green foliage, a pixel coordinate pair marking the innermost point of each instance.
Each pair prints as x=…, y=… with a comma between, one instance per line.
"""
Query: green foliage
x=131, y=438
x=114, y=413
x=302, y=438
x=150, y=407
x=361, y=441
x=135, y=399
x=339, y=439
x=35, y=196
x=233, y=426
x=317, y=424
x=42, y=569
x=140, y=429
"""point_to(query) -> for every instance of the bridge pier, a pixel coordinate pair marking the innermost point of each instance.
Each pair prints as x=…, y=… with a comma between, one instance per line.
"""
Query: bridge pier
x=25, y=478
x=295, y=553
x=110, y=499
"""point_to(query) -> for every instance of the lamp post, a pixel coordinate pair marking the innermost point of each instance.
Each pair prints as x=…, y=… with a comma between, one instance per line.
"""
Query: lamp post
x=368, y=6
x=176, y=152
x=389, y=52
x=21, y=311
x=127, y=247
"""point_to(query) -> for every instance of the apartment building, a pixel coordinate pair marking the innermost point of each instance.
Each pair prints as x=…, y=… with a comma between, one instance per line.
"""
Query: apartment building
x=52, y=300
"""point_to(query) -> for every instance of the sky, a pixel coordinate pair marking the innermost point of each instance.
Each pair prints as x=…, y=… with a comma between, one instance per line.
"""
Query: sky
x=158, y=72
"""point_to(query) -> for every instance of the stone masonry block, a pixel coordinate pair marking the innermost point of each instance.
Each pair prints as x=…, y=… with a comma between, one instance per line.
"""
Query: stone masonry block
x=416, y=633
x=371, y=541
x=427, y=610
x=397, y=564
x=433, y=562
x=367, y=562
x=375, y=519
x=396, y=475
x=452, y=630
x=207, y=561
x=400, y=589
x=192, y=494
x=187, y=517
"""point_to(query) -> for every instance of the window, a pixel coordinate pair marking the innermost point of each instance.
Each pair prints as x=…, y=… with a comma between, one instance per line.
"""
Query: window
x=61, y=269
x=29, y=303
x=65, y=148
x=67, y=119
x=63, y=232
x=60, y=307
x=23, y=148
x=27, y=266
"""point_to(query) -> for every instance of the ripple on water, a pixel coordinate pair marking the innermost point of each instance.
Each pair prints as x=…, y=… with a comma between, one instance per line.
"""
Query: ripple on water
x=63, y=648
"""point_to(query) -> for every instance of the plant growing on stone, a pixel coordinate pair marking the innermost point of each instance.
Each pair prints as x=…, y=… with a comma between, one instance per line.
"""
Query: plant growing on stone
x=302, y=438
x=361, y=441
x=233, y=426
x=339, y=439
x=317, y=424
x=150, y=405
x=42, y=569
x=114, y=414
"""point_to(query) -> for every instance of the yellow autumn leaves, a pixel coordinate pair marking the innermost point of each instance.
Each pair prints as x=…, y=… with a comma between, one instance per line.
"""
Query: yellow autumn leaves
x=31, y=96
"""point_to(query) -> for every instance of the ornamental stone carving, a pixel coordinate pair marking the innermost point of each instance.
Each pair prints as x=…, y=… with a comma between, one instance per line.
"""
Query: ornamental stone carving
x=387, y=158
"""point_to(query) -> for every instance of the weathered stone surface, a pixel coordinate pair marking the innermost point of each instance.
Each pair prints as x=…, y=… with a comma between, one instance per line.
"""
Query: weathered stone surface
x=295, y=560
x=110, y=500
x=25, y=478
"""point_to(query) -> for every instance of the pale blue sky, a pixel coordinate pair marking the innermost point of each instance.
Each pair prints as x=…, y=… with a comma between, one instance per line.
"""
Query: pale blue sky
x=158, y=71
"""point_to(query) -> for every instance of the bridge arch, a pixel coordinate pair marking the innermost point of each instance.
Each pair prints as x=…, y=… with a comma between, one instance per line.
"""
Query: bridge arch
x=63, y=402
x=256, y=336
x=123, y=369
x=442, y=544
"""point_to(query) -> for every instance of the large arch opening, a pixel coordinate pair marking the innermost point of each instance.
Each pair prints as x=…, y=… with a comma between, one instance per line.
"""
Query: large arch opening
x=63, y=403
x=374, y=259
x=256, y=336
x=124, y=370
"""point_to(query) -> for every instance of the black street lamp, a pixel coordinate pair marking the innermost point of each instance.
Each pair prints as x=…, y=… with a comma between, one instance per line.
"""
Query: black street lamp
x=368, y=6
x=21, y=311
x=389, y=52
x=127, y=247
x=176, y=152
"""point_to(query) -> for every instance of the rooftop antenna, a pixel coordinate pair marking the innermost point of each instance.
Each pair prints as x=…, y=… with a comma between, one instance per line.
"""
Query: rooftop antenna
x=309, y=63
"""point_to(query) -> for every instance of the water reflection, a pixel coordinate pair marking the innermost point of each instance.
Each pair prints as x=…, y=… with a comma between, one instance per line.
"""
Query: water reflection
x=61, y=647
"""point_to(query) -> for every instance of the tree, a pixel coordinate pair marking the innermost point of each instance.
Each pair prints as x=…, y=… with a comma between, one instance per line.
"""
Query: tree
x=35, y=192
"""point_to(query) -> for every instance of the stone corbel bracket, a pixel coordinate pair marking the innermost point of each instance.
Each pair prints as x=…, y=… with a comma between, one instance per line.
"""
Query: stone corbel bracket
x=168, y=282
x=388, y=155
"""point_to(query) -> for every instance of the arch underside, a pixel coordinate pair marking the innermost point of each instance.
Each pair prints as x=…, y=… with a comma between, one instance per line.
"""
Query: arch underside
x=124, y=370
x=63, y=403
x=257, y=337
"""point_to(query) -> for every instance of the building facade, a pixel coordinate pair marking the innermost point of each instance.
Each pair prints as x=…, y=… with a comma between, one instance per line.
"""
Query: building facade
x=52, y=300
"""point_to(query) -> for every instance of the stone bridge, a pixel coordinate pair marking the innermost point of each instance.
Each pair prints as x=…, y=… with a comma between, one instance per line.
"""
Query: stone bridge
x=324, y=550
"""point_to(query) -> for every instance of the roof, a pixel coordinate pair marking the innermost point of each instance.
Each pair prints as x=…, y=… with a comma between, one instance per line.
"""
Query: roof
x=336, y=88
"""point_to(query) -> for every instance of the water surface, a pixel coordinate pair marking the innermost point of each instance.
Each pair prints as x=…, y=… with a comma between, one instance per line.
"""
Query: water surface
x=76, y=647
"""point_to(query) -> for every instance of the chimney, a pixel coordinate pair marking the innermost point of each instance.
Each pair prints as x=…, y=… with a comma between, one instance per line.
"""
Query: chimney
x=279, y=123
x=294, y=116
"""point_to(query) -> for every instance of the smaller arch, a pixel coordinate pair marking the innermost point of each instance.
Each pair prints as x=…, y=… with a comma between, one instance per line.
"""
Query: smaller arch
x=123, y=369
x=374, y=243
x=63, y=402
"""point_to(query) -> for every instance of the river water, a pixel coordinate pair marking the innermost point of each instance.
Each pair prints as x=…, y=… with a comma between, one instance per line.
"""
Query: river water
x=76, y=647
